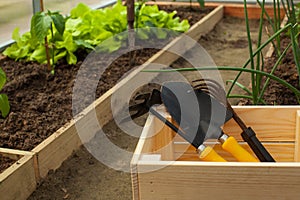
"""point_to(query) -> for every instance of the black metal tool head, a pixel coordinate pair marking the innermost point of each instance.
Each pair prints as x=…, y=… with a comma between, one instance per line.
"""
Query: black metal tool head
x=198, y=114
x=143, y=103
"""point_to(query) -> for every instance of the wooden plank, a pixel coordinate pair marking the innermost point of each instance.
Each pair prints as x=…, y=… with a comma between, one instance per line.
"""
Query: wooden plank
x=18, y=181
x=230, y=9
x=281, y=152
x=14, y=153
x=56, y=148
x=163, y=143
x=297, y=139
x=272, y=123
x=185, y=180
x=254, y=11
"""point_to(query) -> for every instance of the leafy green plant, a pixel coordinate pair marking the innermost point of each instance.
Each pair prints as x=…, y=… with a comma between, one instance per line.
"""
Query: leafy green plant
x=4, y=104
x=41, y=24
x=85, y=28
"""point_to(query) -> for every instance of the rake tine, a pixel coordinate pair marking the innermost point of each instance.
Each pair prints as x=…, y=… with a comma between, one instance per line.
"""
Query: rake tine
x=214, y=88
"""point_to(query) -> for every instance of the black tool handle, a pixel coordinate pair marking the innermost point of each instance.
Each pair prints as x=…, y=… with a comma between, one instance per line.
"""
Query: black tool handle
x=249, y=136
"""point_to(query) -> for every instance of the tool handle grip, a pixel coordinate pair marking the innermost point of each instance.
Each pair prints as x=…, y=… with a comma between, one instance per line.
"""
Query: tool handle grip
x=209, y=154
x=260, y=151
x=232, y=146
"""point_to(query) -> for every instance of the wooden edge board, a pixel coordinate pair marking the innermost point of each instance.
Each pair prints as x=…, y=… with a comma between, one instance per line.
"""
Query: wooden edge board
x=19, y=180
x=230, y=9
x=14, y=153
x=56, y=148
x=297, y=139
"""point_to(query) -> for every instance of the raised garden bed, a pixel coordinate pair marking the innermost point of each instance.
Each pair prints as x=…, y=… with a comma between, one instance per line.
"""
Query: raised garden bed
x=60, y=145
x=165, y=166
x=51, y=152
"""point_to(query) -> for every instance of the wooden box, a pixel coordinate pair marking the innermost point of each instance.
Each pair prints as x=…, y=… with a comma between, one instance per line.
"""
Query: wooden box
x=164, y=166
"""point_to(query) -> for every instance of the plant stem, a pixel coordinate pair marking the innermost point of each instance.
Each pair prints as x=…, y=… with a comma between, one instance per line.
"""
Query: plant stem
x=47, y=54
x=46, y=42
x=253, y=76
x=258, y=50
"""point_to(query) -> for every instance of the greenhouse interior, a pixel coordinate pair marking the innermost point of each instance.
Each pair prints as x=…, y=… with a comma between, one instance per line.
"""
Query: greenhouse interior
x=144, y=100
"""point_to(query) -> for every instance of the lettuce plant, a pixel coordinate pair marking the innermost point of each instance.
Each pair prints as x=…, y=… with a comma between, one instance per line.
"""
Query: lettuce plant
x=85, y=28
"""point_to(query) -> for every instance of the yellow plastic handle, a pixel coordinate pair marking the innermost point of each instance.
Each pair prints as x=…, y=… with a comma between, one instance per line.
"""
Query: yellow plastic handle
x=232, y=146
x=209, y=154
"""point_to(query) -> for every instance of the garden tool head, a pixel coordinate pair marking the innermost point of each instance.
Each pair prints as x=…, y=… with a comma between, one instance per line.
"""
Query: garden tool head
x=198, y=114
x=143, y=103
x=213, y=88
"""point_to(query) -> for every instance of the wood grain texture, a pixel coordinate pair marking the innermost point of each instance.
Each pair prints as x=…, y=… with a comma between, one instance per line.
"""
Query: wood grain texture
x=56, y=148
x=230, y=9
x=18, y=181
x=187, y=180
x=297, y=138
x=273, y=123
x=14, y=153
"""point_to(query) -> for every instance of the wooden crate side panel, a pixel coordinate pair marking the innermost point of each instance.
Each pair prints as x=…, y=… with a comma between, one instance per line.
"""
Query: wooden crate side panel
x=18, y=181
x=220, y=182
x=297, y=139
x=281, y=152
x=277, y=123
x=57, y=148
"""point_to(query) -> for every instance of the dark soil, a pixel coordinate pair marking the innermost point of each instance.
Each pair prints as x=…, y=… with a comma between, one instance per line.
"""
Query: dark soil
x=192, y=14
x=277, y=94
x=41, y=103
x=5, y=163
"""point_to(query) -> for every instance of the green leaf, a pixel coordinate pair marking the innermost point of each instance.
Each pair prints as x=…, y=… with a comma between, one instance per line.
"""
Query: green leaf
x=40, y=25
x=39, y=55
x=240, y=86
x=59, y=22
x=84, y=44
x=80, y=10
x=2, y=78
x=71, y=58
x=16, y=34
x=4, y=105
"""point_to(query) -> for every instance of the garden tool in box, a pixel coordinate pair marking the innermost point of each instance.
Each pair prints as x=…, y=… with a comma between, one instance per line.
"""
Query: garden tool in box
x=189, y=130
x=213, y=88
x=189, y=107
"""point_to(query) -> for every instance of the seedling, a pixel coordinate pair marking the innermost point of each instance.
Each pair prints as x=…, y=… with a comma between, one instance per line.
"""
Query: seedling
x=41, y=24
